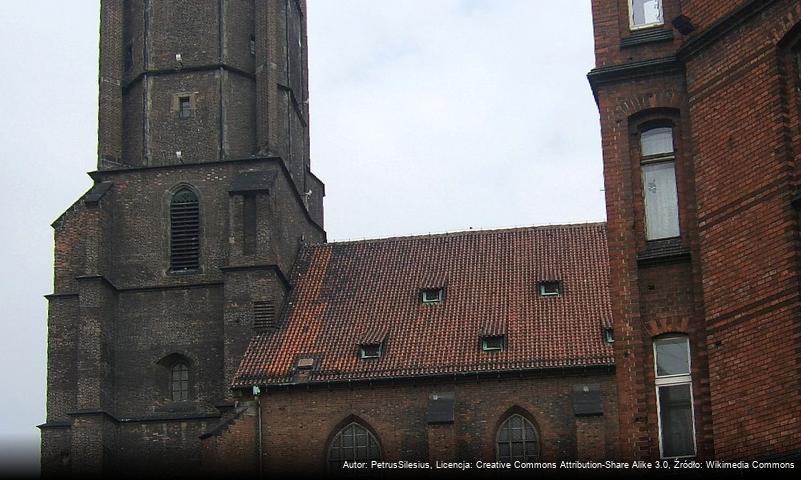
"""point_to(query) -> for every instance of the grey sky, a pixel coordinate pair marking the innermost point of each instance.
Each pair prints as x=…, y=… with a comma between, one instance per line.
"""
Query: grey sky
x=426, y=115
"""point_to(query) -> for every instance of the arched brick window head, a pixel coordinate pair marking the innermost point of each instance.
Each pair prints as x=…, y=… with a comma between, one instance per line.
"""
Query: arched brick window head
x=517, y=440
x=179, y=382
x=352, y=443
x=184, y=231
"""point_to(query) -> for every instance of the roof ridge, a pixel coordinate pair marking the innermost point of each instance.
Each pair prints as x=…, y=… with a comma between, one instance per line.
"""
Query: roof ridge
x=559, y=226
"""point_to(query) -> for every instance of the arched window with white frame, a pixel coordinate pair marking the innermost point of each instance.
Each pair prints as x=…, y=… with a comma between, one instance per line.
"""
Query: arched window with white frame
x=674, y=396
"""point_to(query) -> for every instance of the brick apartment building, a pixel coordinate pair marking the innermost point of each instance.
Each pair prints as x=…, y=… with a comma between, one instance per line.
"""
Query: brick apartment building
x=700, y=107
x=200, y=321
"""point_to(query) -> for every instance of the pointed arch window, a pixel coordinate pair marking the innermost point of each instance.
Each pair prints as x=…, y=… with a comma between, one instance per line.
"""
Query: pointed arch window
x=517, y=440
x=179, y=382
x=184, y=231
x=352, y=443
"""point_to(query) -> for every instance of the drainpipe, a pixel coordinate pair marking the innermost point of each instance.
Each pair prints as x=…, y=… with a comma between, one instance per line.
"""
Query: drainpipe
x=257, y=395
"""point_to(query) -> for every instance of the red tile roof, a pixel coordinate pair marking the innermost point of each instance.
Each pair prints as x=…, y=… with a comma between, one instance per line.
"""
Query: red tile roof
x=353, y=293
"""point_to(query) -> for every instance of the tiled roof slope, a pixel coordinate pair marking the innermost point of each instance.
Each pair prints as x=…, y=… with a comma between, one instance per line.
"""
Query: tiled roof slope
x=361, y=292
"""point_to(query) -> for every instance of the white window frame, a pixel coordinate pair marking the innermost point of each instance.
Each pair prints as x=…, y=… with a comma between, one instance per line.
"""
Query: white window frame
x=660, y=158
x=632, y=26
x=545, y=293
x=363, y=351
x=486, y=348
x=672, y=380
x=438, y=299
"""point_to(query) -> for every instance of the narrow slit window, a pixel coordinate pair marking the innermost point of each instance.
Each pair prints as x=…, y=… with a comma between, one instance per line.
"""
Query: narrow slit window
x=253, y=45
x=184, y=107
x=493, y=344
x=645, y=13
x=184, y=232
x=433, y=295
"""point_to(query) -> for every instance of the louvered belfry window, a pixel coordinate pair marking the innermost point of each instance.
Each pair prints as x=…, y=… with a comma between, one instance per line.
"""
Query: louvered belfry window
x=263, y=314
x=184, y=232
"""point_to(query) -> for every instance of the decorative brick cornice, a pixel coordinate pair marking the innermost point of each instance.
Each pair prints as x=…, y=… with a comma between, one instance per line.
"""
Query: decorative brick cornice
x=632, y=70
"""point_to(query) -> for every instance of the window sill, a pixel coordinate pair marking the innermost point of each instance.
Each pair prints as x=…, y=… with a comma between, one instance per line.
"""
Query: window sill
x=669, y=250
x=646, y=36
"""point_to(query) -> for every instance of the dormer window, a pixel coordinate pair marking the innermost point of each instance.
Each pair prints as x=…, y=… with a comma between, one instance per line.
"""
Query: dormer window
x=645, y=13
x=305, y=363
x=495, y=343
x=550, y=288
x=432, y=295
x=609, y=335
x=372, y=350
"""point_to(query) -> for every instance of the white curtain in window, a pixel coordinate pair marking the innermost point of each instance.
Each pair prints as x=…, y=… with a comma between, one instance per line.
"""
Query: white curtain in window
x=661, y=200
x=657, y=141
x=646, y=12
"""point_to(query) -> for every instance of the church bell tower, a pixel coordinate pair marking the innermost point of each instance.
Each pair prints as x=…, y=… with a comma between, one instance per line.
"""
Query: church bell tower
x=183, y=246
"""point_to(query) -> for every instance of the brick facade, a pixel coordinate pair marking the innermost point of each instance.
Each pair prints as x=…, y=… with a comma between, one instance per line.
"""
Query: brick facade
x=225, y=84
x=120, y=317
x=298, y=423
x=731, y=280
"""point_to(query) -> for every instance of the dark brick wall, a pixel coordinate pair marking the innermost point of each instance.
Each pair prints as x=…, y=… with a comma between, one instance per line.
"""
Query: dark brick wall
x=298, y=423
x=154, y=324
x=232, y=449
x=110, y=115
x=160, y=448
x=118, y=315
x=220, y=71
x=732, y=284
x=197, y=137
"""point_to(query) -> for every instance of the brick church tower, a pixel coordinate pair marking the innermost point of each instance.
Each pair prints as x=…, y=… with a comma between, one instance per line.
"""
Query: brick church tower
x=181, y=249
x=700, y=107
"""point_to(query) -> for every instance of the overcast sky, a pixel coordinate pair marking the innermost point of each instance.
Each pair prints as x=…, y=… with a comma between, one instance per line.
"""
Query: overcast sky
x=426, y=115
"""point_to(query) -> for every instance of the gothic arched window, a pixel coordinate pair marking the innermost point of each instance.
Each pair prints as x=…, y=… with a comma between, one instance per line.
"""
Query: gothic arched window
x=179, y=382
x=184, y=231
x=352, y=443
x=517, y=440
